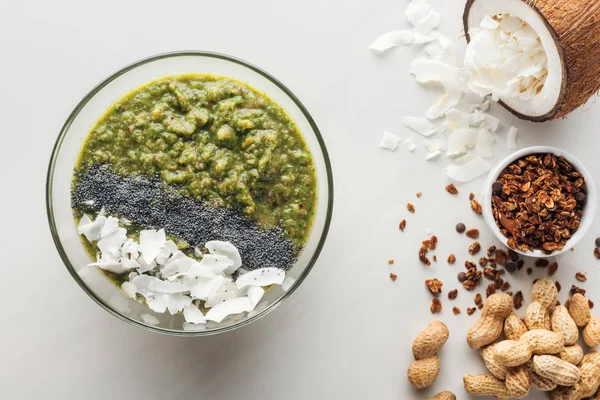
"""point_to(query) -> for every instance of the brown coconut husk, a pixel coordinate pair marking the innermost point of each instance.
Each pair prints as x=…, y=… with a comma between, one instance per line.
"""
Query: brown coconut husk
x=575, y=26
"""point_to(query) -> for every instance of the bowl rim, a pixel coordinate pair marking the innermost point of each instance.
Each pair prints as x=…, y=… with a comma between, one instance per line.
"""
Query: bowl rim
x=95, y=90
x=589, y=210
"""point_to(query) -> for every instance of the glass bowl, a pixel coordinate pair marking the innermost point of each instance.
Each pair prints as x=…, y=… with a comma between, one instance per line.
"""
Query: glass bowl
x=77, y=127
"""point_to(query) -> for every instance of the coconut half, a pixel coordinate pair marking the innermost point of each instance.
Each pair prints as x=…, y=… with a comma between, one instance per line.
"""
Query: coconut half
x=570, y=37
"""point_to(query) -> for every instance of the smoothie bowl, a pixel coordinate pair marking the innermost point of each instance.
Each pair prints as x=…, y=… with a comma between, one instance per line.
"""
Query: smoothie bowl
x=189, y=193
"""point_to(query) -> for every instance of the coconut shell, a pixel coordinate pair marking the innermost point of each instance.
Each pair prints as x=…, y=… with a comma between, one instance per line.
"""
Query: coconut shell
x=575, y=26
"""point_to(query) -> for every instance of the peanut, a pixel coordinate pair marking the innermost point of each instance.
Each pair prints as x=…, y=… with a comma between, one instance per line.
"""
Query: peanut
x=518, y=381
x=512, y=353
x=431, y=340
x=588, y=383
x=485, y=385
x=562, y=322
x=579, y=309
x=488, y=354
x=426, y=367
x=489, y=327
x=571, y=354
x=514, y=327
x=539, y=382
x=557, y=370
x=444, y=396
x=422, y=373
x=544, y=298
x=591, y=332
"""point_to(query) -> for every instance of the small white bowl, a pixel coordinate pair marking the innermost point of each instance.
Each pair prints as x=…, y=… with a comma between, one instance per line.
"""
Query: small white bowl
x=588, y=211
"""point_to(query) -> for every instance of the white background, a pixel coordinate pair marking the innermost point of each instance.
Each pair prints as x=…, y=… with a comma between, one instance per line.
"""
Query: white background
x=347, y=332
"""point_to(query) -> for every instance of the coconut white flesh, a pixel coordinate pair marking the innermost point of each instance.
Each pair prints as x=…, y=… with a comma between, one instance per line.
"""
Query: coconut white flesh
x=261, y=277
x=420, y=125
x=424, y=38
x=512, y=138
x=91, y=230
x=255, y=293
x=229, y=307
x=453, y=80
x=468, y=171
x=392, y=39
x=219, y=248
x=543, y=102
x=485, y=144
x=192, y=314
x=432, y=155
x=416, y=11
x=179, y=263
x=288, y=282
x=429, y=22
x=434, y=145
x=389, y=141
x=410, y=144
x=460, y=141
x=151, y=243
x=110, y=265
x=442, y=49
x=129, y=289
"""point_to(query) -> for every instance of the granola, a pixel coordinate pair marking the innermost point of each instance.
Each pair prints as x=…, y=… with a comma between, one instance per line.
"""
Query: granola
x=540, y=203
x=451, y=189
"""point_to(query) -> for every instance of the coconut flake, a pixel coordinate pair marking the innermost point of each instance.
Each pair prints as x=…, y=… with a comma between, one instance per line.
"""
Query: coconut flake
x=228, y=250
x=434, y=145
x=442, y=49
x=192, y=314
x=129, y=289
x=287, y=283
x=261, y=277
x=232, y=306
x=420, y=125
x=451, y=78
x=389, y=141
x=468, y=171
x=391, y=40
x=255, y=293
x=430, y=156
x=460, y=141
x=489, y=23
x=410, y=143
x=151, y=243
x=110, y=226
x=149, y=319
x=158, y=304
x=421, y=38
x=416, y=11
x=110, y=266
x=485, y=144
x=428, y=22
x=91, y=230
x=512, y=138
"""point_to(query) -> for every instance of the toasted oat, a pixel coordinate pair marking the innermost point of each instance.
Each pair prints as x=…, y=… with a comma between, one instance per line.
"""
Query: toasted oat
x=456, y=310
x=451, y=259
x=423, y=256
x=390, y=262
x=434, y=285
x=472, y=233
x=410, y=207
x=453, y=294
x=475, y=206
x=581, y=277
x=393, y=277
x=471, y=310
x=436, y=306
x=518, y=299
x=433, y=242
x=451, y=189
x=474, y=248
x=402, y=225
x=419, y=194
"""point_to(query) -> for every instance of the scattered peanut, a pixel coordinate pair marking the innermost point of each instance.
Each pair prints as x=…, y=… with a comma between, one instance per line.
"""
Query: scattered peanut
x=588, y=383
x=424, y=370
x=591, y=332
x=489, y=326
x=514, y=327
x=485, y=385
x=579, y=309
x=562, y=322
x=518, y=381
x=512, y=353
x=557, y=370
x=539, y=382
x=571, y=354
x=444, y=396
x=488, y=353
x=544, y=297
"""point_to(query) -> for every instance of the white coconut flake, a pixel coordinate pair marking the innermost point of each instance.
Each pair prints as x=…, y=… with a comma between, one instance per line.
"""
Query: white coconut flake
x=110, y=266
x=177, y=302
x=192, y=314
x=255, y=293
x=489, y=23
x=206, y=288
x=110, y=226
x=189, y=327
x=129, y=289
x=434, y=154
x=424, y=38
x=512, y=138
x=410, y=144
x=485, y=144
x=391, y=40
x=442, y=49
x=158, y=303
x=416, y=11
x=179, y=263
x=168, y=287
x=149, y=319
x=434, y=145
x=428, y=22
x=287, y=283
x=229, y=307
x=389, y=141
x=468, y=171
x=460, y=141
x=228, y=250
x=420, y=125
x=453, y=80
x=456, y=119
x=91, y=230
x=151, y=243
x=261, y=277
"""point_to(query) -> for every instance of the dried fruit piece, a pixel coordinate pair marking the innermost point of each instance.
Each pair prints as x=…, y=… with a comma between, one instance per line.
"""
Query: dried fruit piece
x=518, y=300
x=552, y=268
x=393, y=277
x=471, y=310
x=436, y=306
x=472, y=233
x=390, y=262
x=434, y=285
x=476, y=207
x=456, y=310
x=453, y=294
x=581, y=277
x=402, y=225
x=474, y=248
x=410, y=207
x=451, y=259
x=451, y=189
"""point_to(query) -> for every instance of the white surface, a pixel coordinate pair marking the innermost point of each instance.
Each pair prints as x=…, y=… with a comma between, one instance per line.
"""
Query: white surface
x=347, y=332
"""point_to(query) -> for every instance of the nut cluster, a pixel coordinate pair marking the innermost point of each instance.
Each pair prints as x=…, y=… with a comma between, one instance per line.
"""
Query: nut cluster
x=537, y=202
